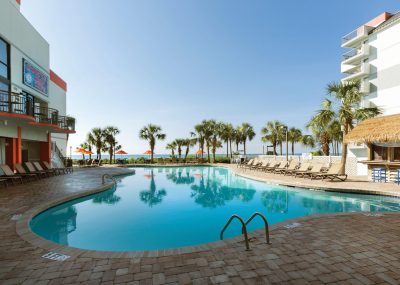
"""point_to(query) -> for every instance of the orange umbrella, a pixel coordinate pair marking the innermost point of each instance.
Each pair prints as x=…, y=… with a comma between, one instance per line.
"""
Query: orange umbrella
x=200, y=152
x=88, y=151
x=80, y=150
x=148, y=152
x=121, y=152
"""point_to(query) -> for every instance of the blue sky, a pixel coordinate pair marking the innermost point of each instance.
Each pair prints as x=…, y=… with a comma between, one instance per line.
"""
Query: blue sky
x=177, y=62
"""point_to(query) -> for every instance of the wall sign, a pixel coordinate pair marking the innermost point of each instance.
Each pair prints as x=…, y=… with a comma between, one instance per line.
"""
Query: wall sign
x=35, y=78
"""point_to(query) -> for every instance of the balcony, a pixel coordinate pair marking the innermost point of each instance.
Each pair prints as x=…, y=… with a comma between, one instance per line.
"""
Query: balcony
x=66, y=124
x=354, y=38
x=355, y=56
x=18, y=108
x=14, y=106
x=357, y=73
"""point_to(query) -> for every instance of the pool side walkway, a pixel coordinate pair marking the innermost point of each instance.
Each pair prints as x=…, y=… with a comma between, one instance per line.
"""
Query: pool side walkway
x=353, y=248
x=354, y=184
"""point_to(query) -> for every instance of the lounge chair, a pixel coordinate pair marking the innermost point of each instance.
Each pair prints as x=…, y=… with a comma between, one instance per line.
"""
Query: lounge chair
x=263, y=164
x=303, y=168
x=282, y=166
x=32, y=169
x=40, y=168
x=255, y=164
x=316, y=168
x=293, y=165
x=273, y=164
x=332, y=173
x=9, y=174
x=22, y=172
x=247, y=164
x=59, y=170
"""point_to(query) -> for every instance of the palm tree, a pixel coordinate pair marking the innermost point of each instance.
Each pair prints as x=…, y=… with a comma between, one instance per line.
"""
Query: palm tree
x=215, y=143
x=171, y=146
x=294, y=136
x=110, y=142
x=83, y=145
x=179, y=143
x=199, y=135
x=151, y=133
x=208, y=129
x=336, y=135
x=247, y=133
x=189, y=142
x=347, y=95
x=307, y=141
x=227, y=134
x=237, y=137
x=273, y=133
x=96, y=136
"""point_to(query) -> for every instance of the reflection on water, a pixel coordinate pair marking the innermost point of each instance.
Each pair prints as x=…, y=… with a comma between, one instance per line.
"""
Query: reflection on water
x=169, y=207
x=152, y=196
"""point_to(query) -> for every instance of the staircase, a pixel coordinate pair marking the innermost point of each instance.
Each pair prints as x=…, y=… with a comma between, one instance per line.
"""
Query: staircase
x=58, y=160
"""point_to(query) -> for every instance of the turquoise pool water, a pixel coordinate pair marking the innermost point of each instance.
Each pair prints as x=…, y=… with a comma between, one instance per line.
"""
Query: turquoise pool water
x=172, y=207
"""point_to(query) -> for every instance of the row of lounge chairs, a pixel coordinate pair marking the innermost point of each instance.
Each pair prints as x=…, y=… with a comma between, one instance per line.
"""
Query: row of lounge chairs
x=89, y=163
x=30, y=171
x=312, y=170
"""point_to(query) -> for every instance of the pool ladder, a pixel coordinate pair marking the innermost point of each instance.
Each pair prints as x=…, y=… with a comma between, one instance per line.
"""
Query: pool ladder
x=244, y=227
x=103, y=178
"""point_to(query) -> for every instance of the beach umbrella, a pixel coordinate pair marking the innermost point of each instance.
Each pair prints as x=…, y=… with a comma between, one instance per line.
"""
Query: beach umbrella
x=81, y=151
x=148, y=152
x=121, y=152
x=200, y=152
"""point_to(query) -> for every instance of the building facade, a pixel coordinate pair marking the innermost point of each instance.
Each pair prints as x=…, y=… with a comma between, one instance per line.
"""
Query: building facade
x=373, y=59
x=33, y=121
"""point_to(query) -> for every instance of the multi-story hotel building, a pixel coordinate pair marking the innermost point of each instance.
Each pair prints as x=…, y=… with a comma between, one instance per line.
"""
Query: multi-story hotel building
x=373, y=59
x=33, y=121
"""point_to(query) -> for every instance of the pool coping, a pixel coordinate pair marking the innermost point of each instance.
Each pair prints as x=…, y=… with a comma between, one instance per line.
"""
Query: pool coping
x=23, y=229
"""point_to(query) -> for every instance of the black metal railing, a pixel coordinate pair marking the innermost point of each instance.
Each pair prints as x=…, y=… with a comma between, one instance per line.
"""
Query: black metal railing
x=66, y=123
x=46, y=115
x=16, y=103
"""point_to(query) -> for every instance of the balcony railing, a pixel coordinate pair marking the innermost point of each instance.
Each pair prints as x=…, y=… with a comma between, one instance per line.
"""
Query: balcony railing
x=66, y=123
x=360, y=33
x=349, y=54
x=16, y=104
x=46, y=115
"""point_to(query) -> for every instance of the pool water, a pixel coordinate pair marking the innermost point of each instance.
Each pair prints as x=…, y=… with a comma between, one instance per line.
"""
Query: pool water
x=169, y=207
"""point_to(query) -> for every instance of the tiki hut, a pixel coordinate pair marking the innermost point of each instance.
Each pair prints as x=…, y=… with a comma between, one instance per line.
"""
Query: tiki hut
x=382, y=137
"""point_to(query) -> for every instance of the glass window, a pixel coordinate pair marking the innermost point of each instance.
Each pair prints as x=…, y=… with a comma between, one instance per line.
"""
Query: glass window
x=3, y=70
x=380, y=152
x=3, y=52
x=396, y=154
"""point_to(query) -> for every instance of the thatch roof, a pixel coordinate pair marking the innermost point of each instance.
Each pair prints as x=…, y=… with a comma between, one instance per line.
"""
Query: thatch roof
x=385, y=129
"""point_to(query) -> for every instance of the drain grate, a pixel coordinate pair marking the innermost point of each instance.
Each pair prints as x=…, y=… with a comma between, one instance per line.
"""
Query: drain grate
x=292, y=226
x=16, y=217
x=373, y=215
x=56, y=256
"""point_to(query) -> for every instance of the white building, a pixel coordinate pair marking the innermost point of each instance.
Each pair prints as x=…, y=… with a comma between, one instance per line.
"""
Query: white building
x=33, y=121
x=374, y=59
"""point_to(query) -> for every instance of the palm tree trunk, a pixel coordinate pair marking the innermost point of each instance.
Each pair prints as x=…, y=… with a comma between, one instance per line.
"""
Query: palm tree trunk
x=213, y=151
x=280, y=145
x=244, y=147
x=208, y=154
x=274, y=147
x=227, y=148
x=230, y=146
x=292, y=147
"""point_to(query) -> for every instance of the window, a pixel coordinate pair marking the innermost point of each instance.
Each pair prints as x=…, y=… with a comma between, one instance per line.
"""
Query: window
x=4, y=59
x=396, y=156
x=380, y=152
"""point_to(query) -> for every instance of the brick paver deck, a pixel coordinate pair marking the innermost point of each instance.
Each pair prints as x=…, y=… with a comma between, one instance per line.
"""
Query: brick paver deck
x=330, y=249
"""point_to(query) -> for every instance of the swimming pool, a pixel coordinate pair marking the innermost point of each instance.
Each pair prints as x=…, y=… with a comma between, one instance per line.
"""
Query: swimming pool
x=169, y=207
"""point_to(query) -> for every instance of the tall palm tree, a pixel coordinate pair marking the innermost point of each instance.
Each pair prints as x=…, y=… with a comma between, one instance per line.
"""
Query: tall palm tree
x=336, y=134
x=294, y=136
x=189, y=142
x=307, y=141
x=208, y=130
x=248, y=133
x=83, y=145
x=110, y=142
x=237, y=137
x=347, y=95
x=171, y=146
x=199, y=134
x=151, y=133
x=272, y=132
x=96, y=136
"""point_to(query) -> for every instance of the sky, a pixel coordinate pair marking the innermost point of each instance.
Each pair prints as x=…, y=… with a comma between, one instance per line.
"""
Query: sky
x=174, y=63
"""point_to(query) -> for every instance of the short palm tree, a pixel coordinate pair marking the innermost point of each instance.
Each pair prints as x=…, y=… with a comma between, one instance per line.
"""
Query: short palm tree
x=171, y=146
x=247, y=133
x=188, y=143
x=151, y=133
x=272, y=132
x=237, y=137
x=179, y=143
x=227, y=135
x=110, y=142
x=294, y=136
x=96, y=136
x=307, y=141
x=199, y=135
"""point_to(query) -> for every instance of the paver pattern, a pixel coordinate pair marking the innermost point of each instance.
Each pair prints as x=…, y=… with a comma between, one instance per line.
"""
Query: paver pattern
x=331, y=249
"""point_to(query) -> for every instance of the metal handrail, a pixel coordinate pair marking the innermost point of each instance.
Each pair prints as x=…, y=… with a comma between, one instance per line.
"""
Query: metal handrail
x=265, y=223
x=103, y=178
x=16, y=103
x=244, y=229
x=66, y=123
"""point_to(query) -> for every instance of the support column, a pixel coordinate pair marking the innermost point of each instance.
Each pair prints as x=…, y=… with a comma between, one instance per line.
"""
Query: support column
x=19, y=146
x=11, y=152
x=45, y=149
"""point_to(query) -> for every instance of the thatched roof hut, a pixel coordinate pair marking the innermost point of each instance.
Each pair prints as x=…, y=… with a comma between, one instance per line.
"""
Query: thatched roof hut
x=385, y=129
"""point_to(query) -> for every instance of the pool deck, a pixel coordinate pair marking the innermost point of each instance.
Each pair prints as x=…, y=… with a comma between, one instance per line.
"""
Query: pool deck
x=353, y=184
x=350, y=248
